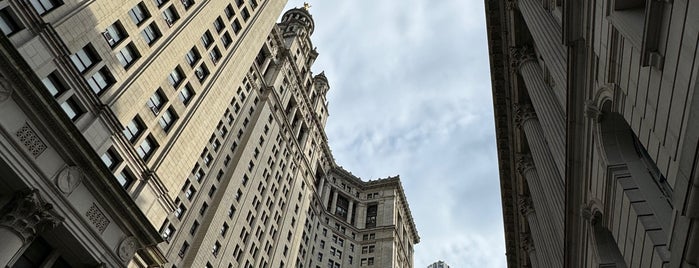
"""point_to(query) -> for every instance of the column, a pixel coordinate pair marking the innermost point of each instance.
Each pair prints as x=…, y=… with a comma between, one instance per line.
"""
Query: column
x=552, y=232
x=547, y=176
x=21, y=220
x=542, y=257
x=334, y=203
x=326, y=195
x=549, y=42
x=349, y=211
x=549, y=111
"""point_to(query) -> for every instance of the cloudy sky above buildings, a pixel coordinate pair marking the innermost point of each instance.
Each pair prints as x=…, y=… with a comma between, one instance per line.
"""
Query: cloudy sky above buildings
x=410, y=95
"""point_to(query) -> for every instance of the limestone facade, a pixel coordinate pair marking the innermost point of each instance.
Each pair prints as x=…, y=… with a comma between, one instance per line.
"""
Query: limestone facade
x=597, y=132
x=180, y=134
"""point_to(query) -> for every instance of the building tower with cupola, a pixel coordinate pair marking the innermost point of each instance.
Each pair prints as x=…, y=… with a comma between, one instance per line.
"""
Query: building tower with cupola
x=149, y=133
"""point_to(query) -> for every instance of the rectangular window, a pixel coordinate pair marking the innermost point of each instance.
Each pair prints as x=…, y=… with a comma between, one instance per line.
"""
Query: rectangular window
x=114, y=34
x=72, y=109
x=9, y=24
x=218, y=24
x=170, y=15
x=139, y=13
x=167, y=119
x=229, y=11
x=187, y=3
x=151, y=34
x=239, y=2
x=192, y=56
x=236, y=26
x=245, y=14
x=183, y=249
x=128, y=55
x=125, y=178
x=175, y=77
x=156, y=101
x=203, y=208
x=179, y=212
x=189, y=194
x=147, y=147
x=100, y=81
x=110, y=159
x=215, y=54
x=168, y=232
x=160, y=3
x=193, y=229
x=186, y=94
x=207, y=39
x=133, y=129
x=44, y=6
x=84, y=58
x=226, y=39
x=202, y=72
x=54, y=84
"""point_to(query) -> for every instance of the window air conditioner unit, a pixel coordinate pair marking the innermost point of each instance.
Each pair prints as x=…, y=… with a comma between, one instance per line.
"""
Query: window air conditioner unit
x=155, y=110
x=108, y=37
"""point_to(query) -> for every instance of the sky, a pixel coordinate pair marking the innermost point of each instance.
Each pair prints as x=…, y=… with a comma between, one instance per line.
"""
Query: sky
x=410, y=95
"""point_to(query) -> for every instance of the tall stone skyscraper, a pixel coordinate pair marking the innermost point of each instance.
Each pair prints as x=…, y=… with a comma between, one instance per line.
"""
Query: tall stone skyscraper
x=179, y=134
x=597, y=120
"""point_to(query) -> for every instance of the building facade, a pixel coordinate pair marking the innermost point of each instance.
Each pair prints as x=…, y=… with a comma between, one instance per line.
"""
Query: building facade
x=179, y=134
x=596, y=124
x=438, y=264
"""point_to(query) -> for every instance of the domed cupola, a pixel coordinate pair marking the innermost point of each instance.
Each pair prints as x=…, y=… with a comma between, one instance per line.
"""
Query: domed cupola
x=298, y=17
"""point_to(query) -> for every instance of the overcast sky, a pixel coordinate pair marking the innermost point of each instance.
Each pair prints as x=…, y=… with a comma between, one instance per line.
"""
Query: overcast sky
x=410, y=95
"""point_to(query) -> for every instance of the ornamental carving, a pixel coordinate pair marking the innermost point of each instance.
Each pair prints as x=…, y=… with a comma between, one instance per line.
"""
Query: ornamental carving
x=5, y=89
x=127, y=248
x=592, y=111
x=591, y=213
x=523, y=112
x=526, y=242
x=511, y=5
x=524, y=163
x=69, y=178
x=27, y=214
x=97, y=218
x=520, y=55
x=525, y=205
x=30, y=140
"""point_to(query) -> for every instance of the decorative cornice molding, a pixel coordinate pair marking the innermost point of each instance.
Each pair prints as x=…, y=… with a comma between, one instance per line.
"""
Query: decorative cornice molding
x=520, y=55
x=523, y=112
x=27, y=214
x=525, y=205
x=524, y=163
x=526, y=242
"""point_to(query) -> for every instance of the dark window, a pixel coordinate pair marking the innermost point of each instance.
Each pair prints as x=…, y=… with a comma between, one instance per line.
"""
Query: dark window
x=192, y=56
x=207, y=39
x=145, y=150
x=100, y=81
x=203, y=208
x=202, y=72
x=239, y=2
x=139, y=13
x=245, y=14
x=72, y=109
x=252, y=4
x=133, y=129
x=218, y=24
x=44, y=6
x=186, y=94
x=229, y=11
x=128, y=55
x=84, y=58
x=175, y=77
x=187, y=3
x=114, y=34
x=110, y=159
x=167, y=232
x=54, y=84
x=371, y=216
x=236, y=26
x=9, y=23
x=215, y=54
x=156, y=101
x=125, y=178
x=193, y=229
x=179, y=211
x=170, y=15
x=183, y=249
x=160, y=3
x=151, y=34
x=226, y=39
x=167, y=119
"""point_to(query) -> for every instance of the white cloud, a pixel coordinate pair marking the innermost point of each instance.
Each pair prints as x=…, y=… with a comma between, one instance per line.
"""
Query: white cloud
x=410, y=95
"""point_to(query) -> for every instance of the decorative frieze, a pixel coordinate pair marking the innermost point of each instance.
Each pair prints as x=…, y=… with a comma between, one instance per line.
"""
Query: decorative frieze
x=69, y=178
x=525, y=205
x=97, y=218
x=524, y=163
x=28, y=215
x=520, y=55
x=30, y=140
x=523, y=112
x=127, y=248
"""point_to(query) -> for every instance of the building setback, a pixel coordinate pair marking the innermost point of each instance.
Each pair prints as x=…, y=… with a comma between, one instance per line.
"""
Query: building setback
x=178, y=134
x=596, y=124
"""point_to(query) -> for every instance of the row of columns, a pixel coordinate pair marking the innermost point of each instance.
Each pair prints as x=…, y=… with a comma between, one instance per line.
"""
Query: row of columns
x=24, y=217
